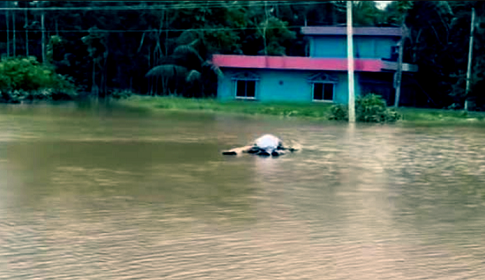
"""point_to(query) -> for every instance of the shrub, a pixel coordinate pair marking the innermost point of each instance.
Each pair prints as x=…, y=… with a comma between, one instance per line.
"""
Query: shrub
x=17, y=96
x=121, y=94
x=339, y=112
x=369, y=108
x=25, y=78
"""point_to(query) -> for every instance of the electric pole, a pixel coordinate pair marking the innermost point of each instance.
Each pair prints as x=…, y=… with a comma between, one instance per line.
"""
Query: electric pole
x=470, y=58
x=350, y=63
x=398, y=76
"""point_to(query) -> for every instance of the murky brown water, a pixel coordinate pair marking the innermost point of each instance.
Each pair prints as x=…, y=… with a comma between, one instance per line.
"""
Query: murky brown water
x=93, y=193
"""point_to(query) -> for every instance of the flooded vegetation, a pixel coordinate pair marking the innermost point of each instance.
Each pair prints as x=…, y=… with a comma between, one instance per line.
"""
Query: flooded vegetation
x=110, y=193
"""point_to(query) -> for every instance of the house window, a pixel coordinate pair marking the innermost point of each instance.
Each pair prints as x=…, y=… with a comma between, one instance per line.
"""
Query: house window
x=245, y=89
x=323, y=86
x=323, y=91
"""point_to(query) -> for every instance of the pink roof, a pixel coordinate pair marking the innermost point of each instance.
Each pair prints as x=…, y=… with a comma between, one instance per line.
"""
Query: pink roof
x=296, y=63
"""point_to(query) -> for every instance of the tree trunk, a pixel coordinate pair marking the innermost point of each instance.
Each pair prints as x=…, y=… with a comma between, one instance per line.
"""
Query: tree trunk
x=13, y=34
x=94, y=90
x=8, y=31
x=156, y=86
x=26, y=34
x=149, y=57
x=43, y=37
x=416, y=46
x=141, y=42
x=166, y=32
x=265, y=27
x=105, y=74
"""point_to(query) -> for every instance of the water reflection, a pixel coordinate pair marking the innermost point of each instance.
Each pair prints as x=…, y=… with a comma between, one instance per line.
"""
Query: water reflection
x=93, y=193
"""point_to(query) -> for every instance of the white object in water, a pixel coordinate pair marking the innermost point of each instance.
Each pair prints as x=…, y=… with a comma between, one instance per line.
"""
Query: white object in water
x=268, y=141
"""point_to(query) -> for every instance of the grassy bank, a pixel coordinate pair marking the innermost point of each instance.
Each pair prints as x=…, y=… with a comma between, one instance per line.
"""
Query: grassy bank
x=441, y=116
x=316, y=111
x=301, y=110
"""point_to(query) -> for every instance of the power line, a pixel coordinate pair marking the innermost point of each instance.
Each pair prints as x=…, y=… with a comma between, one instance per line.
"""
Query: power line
x=152, y=30
x=162, y=7
x=214, y=4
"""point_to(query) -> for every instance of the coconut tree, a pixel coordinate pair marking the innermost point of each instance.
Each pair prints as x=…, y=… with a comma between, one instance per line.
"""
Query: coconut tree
x=183, y=72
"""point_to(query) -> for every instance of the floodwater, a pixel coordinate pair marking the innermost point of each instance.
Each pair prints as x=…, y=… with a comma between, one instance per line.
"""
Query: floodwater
x=107, y=193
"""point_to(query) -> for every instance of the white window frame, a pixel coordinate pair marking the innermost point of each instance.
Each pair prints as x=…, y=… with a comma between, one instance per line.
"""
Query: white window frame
x=323, y=93
x=246, y=76
x=246, y=97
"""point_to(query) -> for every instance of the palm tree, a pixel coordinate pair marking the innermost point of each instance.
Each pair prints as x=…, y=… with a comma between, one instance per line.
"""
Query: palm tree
x=183, y=72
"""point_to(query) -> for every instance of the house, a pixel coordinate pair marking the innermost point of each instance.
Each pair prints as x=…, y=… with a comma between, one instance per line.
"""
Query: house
x=321, y=76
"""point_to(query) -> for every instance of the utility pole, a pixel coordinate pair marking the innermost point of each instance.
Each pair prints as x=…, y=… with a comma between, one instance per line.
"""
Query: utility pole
x=350, y=62
x=398, y=76
x=470, y=58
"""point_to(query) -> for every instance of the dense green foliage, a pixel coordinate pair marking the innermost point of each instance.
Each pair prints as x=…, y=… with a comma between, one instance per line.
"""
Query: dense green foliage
x=28, y=74
x=116, y=44
x=438, y=42
x=24, y=78
x=370, y=108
